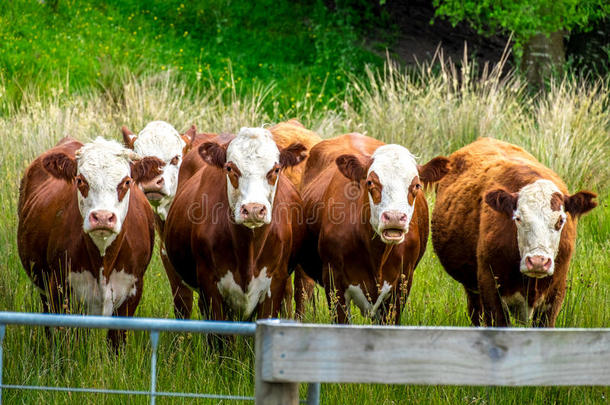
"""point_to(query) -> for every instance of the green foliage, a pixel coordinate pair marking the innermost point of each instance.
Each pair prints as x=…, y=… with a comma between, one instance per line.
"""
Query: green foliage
x=524, y=18
x=299, y=46
x=431, y=114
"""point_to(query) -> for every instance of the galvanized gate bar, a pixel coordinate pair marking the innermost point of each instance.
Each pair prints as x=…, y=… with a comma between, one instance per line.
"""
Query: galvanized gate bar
x=132, y=323
x=154, y=341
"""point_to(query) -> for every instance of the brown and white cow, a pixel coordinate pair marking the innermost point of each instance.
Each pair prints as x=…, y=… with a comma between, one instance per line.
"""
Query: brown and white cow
x=367, y=222
x=284, y=134
x=233, y=225
x=161, y=140
x=86, y=233
x=504, y=226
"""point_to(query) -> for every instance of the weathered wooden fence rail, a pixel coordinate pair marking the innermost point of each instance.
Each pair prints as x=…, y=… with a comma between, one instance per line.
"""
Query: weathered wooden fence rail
x=289, y=353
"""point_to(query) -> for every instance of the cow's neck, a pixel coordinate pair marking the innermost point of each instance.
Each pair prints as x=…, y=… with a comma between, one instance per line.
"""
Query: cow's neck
x=385, y=259
x=248, y=246
x=107, y=261
x=160, y=225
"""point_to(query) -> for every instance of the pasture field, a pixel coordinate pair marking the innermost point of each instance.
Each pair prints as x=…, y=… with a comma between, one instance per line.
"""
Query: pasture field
x=431, y=113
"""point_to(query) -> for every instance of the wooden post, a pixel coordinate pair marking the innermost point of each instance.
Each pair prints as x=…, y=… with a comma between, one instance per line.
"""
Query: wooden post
x=267, y=393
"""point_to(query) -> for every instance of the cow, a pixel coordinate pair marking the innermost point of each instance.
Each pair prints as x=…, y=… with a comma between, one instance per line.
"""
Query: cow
x=85, y=234
x=504, y=226
x=161, y=140
x=234, y=223
x=367, y=223
x=284, y=134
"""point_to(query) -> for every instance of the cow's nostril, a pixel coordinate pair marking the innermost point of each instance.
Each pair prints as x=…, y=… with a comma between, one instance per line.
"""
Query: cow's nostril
x=385, y=217
x=244, y=211
x=547, y=264
x=112, y=219
x=403, y=218
x=262, y=211
x=160, y=182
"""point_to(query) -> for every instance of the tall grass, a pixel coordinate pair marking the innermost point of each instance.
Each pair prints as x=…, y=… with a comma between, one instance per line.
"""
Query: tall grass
x=430, y=112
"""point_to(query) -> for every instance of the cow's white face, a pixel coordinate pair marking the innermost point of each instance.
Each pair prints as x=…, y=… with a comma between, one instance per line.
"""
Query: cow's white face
x=252, y=171
x=161, y=140
x=251, y=163
x=539, y=217
x=392, y=183
x=103, y=179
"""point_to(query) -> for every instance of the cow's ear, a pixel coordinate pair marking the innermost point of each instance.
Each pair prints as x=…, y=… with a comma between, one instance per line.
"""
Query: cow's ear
x=434, y=170
x=189, y=135
x=213, y=154
x=60, y=165
x=128, y=137
x=146, y=169
x=292, y=155
x=579, y=203
x=502, y=201
x=352, y=167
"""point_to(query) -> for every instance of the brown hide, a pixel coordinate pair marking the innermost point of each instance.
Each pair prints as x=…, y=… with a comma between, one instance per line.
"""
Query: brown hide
x=341, y=248
x=203, y=243
x=477, y=245
x=287, y=133
x=51, y=240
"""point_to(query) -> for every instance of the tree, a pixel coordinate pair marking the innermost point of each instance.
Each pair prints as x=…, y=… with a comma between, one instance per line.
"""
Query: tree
x=538, y=26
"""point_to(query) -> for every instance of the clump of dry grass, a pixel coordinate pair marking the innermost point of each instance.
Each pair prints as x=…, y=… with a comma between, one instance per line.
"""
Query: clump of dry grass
x=567, y=127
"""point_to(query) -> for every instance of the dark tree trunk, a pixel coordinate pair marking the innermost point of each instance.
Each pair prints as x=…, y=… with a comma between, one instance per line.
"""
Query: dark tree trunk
x=542, y=56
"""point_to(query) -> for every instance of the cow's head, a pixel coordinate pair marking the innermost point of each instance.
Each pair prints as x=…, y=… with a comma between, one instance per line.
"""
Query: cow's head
x=393, y=180
x=103, y=172
x=252, y=163
x=161, y=140
x=539, y=211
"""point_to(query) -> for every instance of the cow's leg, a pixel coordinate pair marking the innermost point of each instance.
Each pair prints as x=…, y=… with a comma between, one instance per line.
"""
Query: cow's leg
x=117, y=337
x=183, y=296
x=303, y=291
x=474, y=306
x=271, y=306
x=546, y=313
x=335, y=295
x=493, y=311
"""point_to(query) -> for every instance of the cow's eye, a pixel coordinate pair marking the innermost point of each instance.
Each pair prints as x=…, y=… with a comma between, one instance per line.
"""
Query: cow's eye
x=517, y=218
x=228, y=168
x=418, y=186
x=127, y=182
x=175, y=160
x=369, y=183
x=78, y=181
x=559, y=223
x=277, y=170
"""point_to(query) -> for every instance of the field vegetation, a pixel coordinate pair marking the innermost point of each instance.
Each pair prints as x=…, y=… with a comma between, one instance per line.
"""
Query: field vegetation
x=430, y=113
x=432, y=110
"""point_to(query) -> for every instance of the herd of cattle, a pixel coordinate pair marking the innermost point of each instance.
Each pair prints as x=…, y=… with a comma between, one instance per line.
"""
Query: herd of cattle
x=237, y=214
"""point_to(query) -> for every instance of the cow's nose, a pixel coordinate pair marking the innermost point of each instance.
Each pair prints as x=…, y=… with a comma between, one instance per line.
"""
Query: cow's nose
x=538, y=263
x=153, y=185
x=102, y=219
x=394, y=219
x=253, y=212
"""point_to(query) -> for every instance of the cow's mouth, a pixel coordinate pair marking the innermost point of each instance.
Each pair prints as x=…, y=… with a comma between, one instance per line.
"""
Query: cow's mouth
x=253, y=224
x=537, y=273
x=154, y=196
x=393, y=235
x=102, y=232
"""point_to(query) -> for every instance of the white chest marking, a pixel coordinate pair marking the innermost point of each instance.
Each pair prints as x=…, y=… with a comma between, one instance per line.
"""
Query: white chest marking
x=243, y=303
x=102, y=297
x=355, y=293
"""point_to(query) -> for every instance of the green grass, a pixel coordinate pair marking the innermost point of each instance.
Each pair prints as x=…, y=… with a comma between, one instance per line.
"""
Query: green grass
x=300, y=46
x=429, y=113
